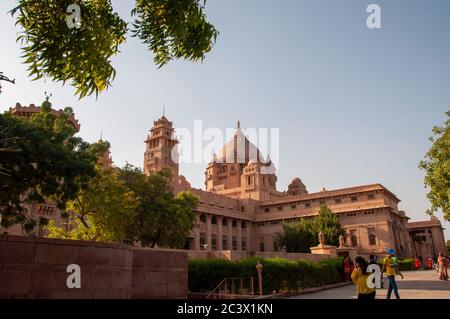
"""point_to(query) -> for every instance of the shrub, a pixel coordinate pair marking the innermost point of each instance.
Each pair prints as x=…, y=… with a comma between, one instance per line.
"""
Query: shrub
x=278, y=274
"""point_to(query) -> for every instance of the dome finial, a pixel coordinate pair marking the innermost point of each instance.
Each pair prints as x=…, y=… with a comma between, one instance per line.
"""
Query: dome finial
x=238, y=124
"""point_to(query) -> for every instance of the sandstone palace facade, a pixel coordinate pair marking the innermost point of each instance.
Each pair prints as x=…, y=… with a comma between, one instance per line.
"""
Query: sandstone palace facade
x=241, y=210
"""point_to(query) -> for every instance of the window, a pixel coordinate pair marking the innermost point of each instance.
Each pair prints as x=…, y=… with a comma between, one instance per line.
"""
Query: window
x=224, y=243
x=234, y=243
x=233, y=223
x=249, y=180
x=354, y=198
x=261, y=244
x=307, y=205
x=353, y=238
x=267, y=209
x=213, y=242
x=372, y=237
x=337, y=201
x=280, y=208
x=224, y=222
x=203, y=218
x=371, y=196
x=243, y=243
x=214, y=220
x=243, y=225
x=202, y=239
x=42, y=223
x=294, y=207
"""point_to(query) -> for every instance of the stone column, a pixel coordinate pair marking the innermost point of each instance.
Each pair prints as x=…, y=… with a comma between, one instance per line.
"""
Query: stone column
x=247, y=238
x=208, y=232
x=219, y=233
x=230, y=234
x=239, y=236
x=197, y=237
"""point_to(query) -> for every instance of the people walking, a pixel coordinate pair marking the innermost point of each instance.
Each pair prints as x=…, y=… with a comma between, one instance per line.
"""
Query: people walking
x=347, y=268
x=416, y=263
x=396, y=266
x=359, y=277
x=443, y=263
x=390, y=274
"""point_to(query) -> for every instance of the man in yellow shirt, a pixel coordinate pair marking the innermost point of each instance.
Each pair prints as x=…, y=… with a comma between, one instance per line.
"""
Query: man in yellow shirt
x=359, y=278
x=390, y=274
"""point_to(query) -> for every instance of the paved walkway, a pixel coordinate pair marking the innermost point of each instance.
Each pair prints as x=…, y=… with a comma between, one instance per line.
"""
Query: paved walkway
x=416, y=285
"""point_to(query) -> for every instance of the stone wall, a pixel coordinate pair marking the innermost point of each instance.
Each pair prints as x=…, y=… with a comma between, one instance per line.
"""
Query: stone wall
x=36, y=268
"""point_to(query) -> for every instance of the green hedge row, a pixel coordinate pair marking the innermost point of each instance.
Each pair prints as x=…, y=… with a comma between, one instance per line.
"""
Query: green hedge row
x=404, y=264
x=278, y=274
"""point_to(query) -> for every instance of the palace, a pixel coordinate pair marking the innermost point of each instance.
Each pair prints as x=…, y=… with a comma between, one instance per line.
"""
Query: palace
x=240, y=211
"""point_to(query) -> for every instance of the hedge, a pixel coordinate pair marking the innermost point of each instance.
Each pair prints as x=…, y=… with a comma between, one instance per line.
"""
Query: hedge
x=404, y=264
x=278, y=274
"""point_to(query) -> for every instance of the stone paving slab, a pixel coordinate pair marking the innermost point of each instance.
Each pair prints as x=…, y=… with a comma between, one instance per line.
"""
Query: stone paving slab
x=416, y=285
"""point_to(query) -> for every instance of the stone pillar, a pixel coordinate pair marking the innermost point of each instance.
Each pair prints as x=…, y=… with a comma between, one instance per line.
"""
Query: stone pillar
x=208, y=232
x=197, y=237
x=239, y=236
x=219, y=233
x=230, y=234
x=247, y=238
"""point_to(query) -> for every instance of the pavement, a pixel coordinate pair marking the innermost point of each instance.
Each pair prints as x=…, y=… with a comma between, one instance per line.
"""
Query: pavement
x=422, y=284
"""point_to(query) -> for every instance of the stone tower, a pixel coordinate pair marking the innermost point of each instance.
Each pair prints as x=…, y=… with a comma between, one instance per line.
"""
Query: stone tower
x=161, y=150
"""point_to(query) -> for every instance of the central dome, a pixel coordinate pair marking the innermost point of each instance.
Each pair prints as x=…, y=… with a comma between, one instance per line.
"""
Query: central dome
x=239, y=150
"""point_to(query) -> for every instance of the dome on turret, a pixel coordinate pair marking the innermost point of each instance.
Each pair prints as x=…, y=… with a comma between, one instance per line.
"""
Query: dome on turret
x=239, y=149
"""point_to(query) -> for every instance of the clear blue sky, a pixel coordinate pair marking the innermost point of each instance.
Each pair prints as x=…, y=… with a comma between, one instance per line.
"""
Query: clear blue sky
x=354, y=106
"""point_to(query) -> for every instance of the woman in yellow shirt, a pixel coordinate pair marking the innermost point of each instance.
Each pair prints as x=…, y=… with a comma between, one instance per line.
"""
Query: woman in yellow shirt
x=359, y=278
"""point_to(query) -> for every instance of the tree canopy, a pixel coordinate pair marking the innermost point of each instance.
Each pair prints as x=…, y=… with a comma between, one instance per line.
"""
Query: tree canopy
x=171, y=29
x=437, y=169
x=300, y=236
x=41, y=160
x=124, y=205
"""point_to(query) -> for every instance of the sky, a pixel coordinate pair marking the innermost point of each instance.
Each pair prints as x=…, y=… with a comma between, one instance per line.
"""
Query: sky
x=353, y=105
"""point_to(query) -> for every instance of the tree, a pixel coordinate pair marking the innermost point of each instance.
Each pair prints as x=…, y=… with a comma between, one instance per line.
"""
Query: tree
x=124, y=205
x=41, y=161
x=102, y=211
x=299, y=237
x=171, y=29
x=437, y=170
x=328, y=223
x=161, y=218
x=296, y=238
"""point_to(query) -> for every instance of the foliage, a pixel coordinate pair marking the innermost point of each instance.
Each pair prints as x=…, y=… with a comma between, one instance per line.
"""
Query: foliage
x=299, y=237
x=328, y=223
x=94, y=232
x=447, y=243
x=173, y=29
x=127, y=206
x=278, y=274
x=82, y=56
x=437, y=170
x=32, y=178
